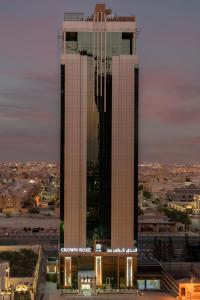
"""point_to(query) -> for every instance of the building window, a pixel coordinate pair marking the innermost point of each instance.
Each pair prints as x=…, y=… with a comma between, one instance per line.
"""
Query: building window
x=127, y=40
x=182, y=291
x=141, y=284
x=127, y=35
x=153, y=284
x=71, y=36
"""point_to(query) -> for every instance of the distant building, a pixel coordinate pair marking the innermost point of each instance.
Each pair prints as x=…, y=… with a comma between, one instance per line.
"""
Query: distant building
x=191, y=207
x=184, y=278
x=189, y=288
x=184, y=194
x=20, y=282
x=4, y=275
x=149, y=274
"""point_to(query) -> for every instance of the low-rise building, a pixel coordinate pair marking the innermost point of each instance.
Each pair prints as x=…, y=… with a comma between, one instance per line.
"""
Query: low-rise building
x=183, y=194
x=4, y=275
x=184, y=277
x=23, y=278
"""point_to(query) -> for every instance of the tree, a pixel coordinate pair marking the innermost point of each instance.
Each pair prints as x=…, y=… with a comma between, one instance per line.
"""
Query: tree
x=22, y=263
x=140, y=187
x=147, y=195
x=177, y=216
x=34, y=210
x=140, y=211
x=52, y=202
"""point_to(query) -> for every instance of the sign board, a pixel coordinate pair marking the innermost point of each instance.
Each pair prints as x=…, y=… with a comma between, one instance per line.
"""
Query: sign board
x=76, y=250
x=98, y=249
x=122, y=250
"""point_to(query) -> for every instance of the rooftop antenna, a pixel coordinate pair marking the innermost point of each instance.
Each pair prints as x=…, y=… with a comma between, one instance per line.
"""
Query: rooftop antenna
x=138, y=32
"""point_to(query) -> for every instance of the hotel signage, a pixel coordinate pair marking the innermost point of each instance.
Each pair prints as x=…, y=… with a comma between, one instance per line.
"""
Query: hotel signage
x=76, y=250
x=122, y=250
x=98, y=249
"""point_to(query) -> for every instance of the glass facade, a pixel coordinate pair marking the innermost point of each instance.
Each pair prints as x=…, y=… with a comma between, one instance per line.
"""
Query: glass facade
x=110, y=271
x=148, y=284
x=117, y=43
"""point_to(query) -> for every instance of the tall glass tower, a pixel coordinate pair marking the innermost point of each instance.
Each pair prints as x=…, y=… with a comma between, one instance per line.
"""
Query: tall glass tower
x=99, y=147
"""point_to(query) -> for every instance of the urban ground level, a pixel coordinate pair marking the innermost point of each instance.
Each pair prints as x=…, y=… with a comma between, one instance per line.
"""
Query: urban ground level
x=146, y=296
x=49, y=292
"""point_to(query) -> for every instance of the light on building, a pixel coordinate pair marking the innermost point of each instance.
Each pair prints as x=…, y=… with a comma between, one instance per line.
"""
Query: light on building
x=98, y=270
x=67, y=271
x=129, y=271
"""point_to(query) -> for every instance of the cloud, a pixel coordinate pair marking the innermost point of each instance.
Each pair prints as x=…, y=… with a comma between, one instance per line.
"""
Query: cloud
x=181, y=116
x=23, y=148
x=26, y=113
x=171, y=150
x=170, y=97
x=41, y=77
x=169, y=79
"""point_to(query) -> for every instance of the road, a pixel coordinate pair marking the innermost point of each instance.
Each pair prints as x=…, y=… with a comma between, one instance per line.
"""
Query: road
x=19, y=222
x=146, y=296
x=50, y=293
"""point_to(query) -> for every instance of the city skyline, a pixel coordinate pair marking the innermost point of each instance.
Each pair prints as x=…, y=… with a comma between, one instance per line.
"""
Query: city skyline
x=169, y=90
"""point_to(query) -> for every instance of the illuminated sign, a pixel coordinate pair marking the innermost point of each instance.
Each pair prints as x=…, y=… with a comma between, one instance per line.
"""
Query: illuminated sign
x=98, y=248
x=76, y=250
x=122, y=250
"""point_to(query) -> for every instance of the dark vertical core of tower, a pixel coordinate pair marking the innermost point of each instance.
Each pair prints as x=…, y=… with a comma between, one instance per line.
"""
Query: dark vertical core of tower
x=105, y=142
x=136, y=133
x=99, y=174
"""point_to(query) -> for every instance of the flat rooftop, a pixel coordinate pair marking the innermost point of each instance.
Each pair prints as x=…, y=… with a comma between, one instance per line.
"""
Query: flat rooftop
x=19, y=222
x=99, y=14
x=82, y=17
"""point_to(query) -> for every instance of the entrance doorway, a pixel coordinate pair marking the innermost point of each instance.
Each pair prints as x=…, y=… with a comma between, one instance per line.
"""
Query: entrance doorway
x=86, y=280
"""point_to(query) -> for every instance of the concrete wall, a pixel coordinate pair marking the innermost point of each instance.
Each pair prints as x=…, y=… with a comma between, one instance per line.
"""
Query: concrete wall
x=76, y=73
x=122, y=208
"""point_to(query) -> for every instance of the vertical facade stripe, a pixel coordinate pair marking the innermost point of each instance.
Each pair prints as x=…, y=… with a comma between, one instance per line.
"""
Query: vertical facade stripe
x=136, y=134
x=62, y=142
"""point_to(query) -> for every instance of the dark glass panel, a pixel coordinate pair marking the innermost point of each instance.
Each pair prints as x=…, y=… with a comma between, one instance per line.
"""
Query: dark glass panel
x=71, y=36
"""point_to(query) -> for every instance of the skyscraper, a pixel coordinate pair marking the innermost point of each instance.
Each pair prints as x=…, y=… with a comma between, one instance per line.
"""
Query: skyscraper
x=99, y=149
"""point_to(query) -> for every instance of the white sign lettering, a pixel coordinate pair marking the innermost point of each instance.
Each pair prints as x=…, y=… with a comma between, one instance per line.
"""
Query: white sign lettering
x=98, y=249
x=76, y=250
x=122, y=250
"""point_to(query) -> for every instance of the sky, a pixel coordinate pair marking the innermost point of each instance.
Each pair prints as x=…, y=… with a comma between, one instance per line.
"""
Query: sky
x=168, y=47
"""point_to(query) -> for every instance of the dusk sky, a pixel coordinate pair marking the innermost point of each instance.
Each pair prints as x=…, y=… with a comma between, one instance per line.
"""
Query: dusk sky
x=169, y=55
